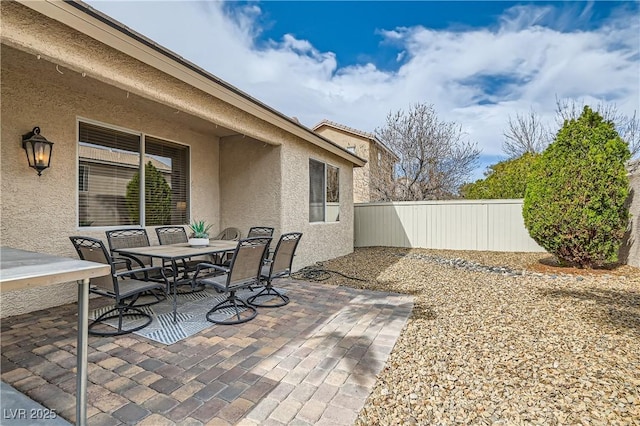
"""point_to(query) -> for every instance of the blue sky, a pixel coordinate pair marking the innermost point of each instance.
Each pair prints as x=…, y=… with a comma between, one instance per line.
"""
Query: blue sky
x=353, y=62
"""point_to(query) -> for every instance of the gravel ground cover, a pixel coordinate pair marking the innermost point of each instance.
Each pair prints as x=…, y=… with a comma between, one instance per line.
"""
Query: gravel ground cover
x=492, y=340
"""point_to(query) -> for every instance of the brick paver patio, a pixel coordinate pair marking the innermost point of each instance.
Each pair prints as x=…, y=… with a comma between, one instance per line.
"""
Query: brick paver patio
x=313, y=361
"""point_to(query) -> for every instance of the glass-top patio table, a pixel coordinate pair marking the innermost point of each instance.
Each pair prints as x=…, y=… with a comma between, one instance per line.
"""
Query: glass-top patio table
x=176, y=252
x=20, y=269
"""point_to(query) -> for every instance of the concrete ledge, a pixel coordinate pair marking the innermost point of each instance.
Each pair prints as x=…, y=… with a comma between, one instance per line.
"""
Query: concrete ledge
x=20, y=410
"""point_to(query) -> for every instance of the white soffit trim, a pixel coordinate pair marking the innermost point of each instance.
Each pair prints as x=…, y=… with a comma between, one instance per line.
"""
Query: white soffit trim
x=105, y=33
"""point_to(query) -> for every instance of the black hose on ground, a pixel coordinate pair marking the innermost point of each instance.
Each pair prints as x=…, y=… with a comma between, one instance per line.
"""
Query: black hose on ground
x=319, y=273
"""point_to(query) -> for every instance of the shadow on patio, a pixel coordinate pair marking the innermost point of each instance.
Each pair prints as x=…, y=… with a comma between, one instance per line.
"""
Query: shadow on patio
x=314, y=360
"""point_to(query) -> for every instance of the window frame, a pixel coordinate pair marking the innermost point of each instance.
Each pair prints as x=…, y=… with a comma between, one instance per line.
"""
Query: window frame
x=325, y=165
x=84, y=178
x=142, y=135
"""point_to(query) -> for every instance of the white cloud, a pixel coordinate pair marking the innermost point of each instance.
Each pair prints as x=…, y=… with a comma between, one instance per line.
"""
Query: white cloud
x=527, y=49
x=302, y=46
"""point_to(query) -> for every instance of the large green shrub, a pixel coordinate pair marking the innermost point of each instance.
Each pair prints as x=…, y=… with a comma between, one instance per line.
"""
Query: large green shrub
x=574, y=205
x=157, y=201
x=506, y=179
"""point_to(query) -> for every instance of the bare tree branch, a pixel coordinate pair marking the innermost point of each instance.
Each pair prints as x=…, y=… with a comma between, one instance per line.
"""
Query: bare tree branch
x=435, y=158
x=628, y=127
x=525, y=134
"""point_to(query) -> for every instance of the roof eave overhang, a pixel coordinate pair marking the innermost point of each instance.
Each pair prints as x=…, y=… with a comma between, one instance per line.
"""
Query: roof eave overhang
x=106, y=30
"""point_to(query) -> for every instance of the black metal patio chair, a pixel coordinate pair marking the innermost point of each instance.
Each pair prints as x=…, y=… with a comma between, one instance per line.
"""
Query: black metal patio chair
x=278, y=266
x=124, y=286
x=260, y=231
x=177, y=235
x=128, y=238
x=243, y=272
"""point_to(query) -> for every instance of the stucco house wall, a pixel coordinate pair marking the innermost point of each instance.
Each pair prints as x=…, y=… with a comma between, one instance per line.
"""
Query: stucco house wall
x=321, y=240
x=377, y=173
x=40, y=213
x=361, y=187
x=381, y=164
x=243, y=155
x=250, y=198
x=276, y=193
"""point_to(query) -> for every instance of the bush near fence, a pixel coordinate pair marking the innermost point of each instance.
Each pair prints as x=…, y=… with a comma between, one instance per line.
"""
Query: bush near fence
x=486, y=225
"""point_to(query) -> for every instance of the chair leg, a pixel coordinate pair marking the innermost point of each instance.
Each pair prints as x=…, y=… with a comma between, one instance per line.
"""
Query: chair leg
x=186, y=279
x=119, y=312
x=192, y=289
x=239, y=307
x=154, y=296
x=269, y=291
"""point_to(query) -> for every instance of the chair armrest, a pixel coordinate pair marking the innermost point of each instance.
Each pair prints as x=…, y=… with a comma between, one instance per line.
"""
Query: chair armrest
x=142, y=270
x=122, y=260
x=124, y=257
x=205, y=265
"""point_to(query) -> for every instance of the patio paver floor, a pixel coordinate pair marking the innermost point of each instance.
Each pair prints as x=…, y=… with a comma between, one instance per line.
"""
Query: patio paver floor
x=313, y=361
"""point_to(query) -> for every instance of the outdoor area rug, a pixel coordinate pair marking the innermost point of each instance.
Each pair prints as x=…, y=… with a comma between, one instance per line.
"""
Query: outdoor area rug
x=191, y=319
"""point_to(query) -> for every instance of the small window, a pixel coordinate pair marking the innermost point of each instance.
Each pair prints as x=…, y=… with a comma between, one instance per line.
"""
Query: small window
x=316, y=191
x=333, y=194
x=324, y=192
x=351, y=149
x=379, y=157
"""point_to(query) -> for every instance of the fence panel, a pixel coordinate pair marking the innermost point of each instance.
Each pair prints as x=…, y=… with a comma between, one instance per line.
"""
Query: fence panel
x=631, y=248
x=495, y=225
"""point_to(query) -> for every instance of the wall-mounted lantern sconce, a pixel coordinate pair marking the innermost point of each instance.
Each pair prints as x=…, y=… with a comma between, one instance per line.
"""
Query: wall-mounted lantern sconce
x=38, y=150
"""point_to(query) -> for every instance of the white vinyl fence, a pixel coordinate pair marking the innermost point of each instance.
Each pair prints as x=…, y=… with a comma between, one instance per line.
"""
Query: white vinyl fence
x=631, y=248
x=493, y=225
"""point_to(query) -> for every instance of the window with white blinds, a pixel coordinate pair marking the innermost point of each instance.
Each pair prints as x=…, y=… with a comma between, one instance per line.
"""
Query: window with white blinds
x=110, y=178
x=172, y=159
x=316, y=191
x=324, y=192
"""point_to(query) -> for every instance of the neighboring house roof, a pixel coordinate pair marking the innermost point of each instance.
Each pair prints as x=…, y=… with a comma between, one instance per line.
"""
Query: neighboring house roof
x=85, y=19
x=123, y=158
x=370, y=136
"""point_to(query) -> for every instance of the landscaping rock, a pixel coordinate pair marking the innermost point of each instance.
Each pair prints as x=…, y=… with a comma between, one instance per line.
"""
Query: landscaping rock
x=491, y=341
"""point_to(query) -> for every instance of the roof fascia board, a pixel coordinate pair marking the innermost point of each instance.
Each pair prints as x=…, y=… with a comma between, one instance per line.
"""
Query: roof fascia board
x=106, y=30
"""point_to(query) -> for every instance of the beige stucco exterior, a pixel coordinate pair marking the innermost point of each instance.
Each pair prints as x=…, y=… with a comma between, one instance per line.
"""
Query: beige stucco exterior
x=251, y=198
x=335, y=238
x=246, y=168
x=380, y=161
